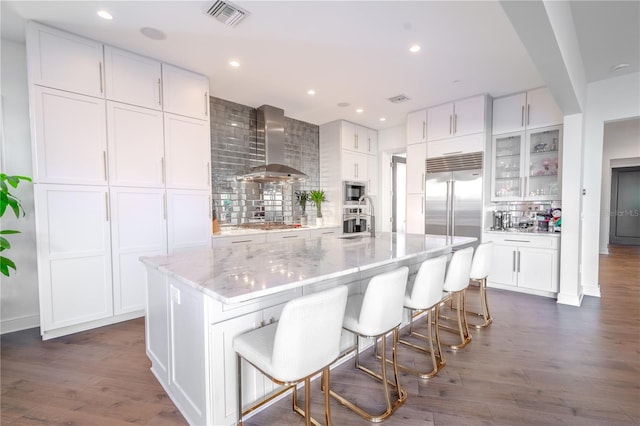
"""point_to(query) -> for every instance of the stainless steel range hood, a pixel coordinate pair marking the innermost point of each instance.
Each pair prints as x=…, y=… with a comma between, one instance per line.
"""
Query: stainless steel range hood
x=271, y=127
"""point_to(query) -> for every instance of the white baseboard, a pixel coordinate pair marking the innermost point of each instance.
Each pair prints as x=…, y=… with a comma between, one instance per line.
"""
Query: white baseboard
x=570, y=299
x=18, y=324
x=591, y=291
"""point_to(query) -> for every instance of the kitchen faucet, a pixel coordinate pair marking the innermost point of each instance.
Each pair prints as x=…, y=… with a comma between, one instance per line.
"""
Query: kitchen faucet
x=372, y=225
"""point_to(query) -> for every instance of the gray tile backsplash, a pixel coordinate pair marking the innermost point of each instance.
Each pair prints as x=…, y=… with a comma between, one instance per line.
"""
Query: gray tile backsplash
x=235, y=147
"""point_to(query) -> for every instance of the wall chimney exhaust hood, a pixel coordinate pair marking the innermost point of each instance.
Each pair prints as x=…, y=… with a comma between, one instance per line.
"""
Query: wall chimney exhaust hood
x=271, y=128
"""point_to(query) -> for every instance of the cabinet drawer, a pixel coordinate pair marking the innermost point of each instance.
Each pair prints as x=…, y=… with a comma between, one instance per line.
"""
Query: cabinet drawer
x=455, y=146
x=524, y=240
x=290, y=235
x=237, y=240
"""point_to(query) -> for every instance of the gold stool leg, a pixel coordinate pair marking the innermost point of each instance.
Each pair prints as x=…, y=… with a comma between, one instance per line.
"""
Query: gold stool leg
x=437, y=358
x=463, y=326
x=485, y=314
x=402, y=394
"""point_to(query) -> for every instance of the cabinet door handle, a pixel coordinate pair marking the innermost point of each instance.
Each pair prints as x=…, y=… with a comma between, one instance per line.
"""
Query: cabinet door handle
x=210, y=208
x=104, y=164
x=522, y=117
x=513, y=261
x=208, y=175
x=163, y=170
x=455, y=123
x=355, y=141
x=450, y=123
x=164, y=206
x=206, y=104
x=421, y=205
x=106, y=206
x=518, y=261
x=422, y=182
x=159, y=92
x=424, y=130
x=451, y=153
x=100, y=73
x=290, y=236
x=518, y=241
x=369, y=140
x=528, y=113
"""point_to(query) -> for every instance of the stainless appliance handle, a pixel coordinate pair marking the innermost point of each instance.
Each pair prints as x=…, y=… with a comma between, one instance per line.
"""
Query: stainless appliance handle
x=513, y=261
x=452, y=210
x=446, y=214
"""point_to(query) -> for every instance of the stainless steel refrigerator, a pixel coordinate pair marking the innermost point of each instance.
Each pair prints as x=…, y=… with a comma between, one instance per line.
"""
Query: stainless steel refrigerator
x=453, y=196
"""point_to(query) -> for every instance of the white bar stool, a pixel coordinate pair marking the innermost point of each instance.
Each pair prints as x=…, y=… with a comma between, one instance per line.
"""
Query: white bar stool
x=480, y=268
x=425, y=295
x=375, y=314
x=305, y=341
x=455, y=284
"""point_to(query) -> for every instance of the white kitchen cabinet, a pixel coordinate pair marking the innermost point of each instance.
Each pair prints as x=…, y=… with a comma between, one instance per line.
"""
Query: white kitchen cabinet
x=187, y=144
x=132, y=78
x=525, y=261
x=157, y=323
x=355, y=166
x=74, y=252
x=372, y=174
x=415, y=214
x=64, y=61
x=456, y=146
x=69, y=138
x=463, y=117
x=185, y=92
x=417, y=127
x=136, y=146
x=527, y=165
x=138, y=228
x=188, y=219
x=528, y=110
x=188, y=370
x=416, y=157
x=358, y=138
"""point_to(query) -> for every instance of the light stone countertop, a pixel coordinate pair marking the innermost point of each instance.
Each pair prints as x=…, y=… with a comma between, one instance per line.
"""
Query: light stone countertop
x=230, y=231
x=525, y=233
x=240, y=273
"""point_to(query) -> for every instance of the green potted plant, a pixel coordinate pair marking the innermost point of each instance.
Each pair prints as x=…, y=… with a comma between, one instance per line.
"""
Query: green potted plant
x=302, y=197
x=7, y=199
x=317, y=196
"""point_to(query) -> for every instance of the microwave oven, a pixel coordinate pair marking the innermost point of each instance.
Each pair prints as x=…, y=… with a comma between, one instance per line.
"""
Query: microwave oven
x=352, y=191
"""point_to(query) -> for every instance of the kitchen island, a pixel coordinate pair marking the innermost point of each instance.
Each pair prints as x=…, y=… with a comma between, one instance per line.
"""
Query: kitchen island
x=198, y=301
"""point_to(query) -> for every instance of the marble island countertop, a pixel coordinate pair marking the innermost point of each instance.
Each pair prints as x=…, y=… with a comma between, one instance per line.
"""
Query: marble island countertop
x=518, y=231
x=241, y=273
x=235, y=230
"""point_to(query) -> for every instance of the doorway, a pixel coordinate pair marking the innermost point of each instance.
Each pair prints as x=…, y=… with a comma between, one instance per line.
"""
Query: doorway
x=399, y=194
x=624, y=225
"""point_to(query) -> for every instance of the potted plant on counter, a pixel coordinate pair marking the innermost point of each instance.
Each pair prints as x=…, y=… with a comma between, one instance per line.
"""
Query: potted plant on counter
x=317, y=197
x=302, y=197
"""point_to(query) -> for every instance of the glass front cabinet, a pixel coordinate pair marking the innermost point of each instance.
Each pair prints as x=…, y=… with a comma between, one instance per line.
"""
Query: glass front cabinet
x=527, y=165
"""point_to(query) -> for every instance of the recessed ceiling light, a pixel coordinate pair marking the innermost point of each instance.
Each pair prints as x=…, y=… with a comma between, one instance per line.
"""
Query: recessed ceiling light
x=153, y=33
x=383, y=119
x=415, y=48
x=359, y=110
x=619, y=67
x=311, y=92
x=234, y=64
x=105, y=15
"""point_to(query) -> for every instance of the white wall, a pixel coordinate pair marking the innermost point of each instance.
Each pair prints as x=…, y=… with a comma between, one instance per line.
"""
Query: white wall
x=18, y=293
x=607, y=101
x=621, y=149
x=390, y=141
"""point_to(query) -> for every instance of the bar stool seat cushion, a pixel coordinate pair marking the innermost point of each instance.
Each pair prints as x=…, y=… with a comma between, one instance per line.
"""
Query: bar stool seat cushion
x=305, y=340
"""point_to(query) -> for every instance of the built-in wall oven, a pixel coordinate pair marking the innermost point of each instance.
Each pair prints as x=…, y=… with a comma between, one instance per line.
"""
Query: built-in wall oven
x=354, y=220
x=352, y=191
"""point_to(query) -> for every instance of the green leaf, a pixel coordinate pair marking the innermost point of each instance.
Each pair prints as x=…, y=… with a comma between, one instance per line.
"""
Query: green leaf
x=5, y=264
x=9, y=231
x=4, y=243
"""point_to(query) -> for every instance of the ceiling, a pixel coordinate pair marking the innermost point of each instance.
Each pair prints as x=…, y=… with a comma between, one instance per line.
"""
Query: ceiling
x=348, y=52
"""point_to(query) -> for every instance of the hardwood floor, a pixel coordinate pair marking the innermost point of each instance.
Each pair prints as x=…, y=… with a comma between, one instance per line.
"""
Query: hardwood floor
x=539, y=363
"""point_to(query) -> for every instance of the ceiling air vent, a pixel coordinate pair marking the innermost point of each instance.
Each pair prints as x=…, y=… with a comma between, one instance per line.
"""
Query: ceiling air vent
x=398, y=99
x=227, y=13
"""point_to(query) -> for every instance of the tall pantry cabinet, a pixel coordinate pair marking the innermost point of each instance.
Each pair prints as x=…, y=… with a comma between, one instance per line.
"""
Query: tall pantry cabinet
x=117, y=174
